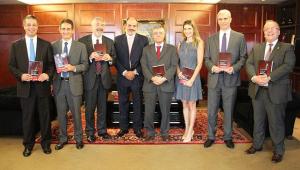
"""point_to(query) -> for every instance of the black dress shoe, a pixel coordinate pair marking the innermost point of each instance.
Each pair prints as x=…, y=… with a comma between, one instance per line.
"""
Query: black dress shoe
x=229, y=144
x=60, y=145
x=165, y=138
x=252, y=150
x=276, y=158
x=139, y=134
x=121, y=133
x=47, y=150
x=149, y=138
x=79, y=145
x=27, y=152
x=91, y=138
x=208, y=143
x=105, y=136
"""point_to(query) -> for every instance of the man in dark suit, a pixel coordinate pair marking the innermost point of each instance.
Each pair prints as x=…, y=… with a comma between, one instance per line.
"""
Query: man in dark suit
x=97, y=79
x=68, y=85
x=223, y=82
x=159, y=87
x=34, y=95
x=270, y=93
x=129, y=48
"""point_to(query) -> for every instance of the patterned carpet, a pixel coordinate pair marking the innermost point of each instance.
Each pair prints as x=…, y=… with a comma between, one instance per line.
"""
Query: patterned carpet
x=175, y=133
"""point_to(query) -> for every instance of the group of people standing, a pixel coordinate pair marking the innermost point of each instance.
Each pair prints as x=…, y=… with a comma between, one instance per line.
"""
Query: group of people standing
x=88, y=73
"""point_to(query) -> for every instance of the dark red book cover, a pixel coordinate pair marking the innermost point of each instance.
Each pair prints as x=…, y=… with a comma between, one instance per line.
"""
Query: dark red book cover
x=100, y=48
x=35, y=69
x=264, y=67
x=187, y=72
x=224, y=60
x=159, y=70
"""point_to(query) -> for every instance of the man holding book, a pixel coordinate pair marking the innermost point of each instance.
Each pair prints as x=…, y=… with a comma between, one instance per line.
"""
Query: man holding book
x=97, y=79
x=269, y=65
x=159, y=62
x=31, y=62
x=225, y=54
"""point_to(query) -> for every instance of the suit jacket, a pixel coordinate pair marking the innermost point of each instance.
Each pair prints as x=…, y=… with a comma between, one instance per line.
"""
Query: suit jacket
x=90, y=74
x=168, y=57
x=78, y=58
x=18, y=65
x=237, y=47
x=122, y=58
x=283, y=58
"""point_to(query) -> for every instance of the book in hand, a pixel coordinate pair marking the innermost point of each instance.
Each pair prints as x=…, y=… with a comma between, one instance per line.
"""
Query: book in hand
x=187, y=72
x=35, y=69
x=159, y=70
x=224, y=60
x=60, y=61
x=100, y=48
x=264, y=67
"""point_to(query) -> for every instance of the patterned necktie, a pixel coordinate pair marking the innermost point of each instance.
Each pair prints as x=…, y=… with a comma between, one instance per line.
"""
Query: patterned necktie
x=65, y=74
x=98, y=63
x=223, y=47
x=158, y=52
x=32, y=52
x=267, y=56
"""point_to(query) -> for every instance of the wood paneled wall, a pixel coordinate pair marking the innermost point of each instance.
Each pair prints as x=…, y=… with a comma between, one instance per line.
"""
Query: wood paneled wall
x=246, y=18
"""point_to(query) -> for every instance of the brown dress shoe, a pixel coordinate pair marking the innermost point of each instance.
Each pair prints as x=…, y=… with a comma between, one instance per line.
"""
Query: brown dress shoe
x=252, y=150
x=276, y=158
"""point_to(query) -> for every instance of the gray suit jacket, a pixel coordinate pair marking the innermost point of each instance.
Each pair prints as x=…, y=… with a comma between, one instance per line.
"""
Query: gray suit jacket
x=283, y=58
x=90, y=75
x=168, y=57
x=237, y=47
x=78, y=58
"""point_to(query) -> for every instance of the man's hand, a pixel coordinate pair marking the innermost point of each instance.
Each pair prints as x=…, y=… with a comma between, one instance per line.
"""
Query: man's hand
x=216, y=69
x=261, y=79
x=158, y=80
x=43, y=77
x=106, y=57
x=68, y=67
x=130, y=75
x=26, y=77
x=228, y=70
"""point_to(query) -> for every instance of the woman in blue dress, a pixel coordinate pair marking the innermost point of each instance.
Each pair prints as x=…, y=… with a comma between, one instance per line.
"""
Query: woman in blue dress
x=188, y=88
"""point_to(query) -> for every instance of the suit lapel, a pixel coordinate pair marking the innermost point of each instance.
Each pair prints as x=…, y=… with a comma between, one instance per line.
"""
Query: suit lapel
x=216, y=40
x=24, y=49
x=125, y=44
x=164, y=50
x=72, y=50
x=153, y=51
x=90, y=43
x=262, y=51
x=39, y=49
x=134, y=44
x=274, y=51
x=231, y=39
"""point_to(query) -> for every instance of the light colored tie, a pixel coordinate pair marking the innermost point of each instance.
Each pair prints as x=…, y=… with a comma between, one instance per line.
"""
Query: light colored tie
x=267, y=56
x=32, y=52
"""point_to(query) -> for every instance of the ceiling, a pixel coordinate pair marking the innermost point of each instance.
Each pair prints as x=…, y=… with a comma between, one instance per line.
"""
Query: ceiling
x=143, y=1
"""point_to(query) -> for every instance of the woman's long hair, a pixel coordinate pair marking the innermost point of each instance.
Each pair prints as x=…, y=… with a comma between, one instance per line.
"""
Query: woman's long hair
x=196, y=36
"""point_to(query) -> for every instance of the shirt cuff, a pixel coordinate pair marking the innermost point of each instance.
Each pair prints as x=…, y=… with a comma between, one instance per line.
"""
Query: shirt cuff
x=124, y=72
x=135, y=72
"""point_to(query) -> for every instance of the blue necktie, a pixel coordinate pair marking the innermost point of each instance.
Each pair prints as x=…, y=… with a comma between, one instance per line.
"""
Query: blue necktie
x=223, y=48
x=31, y=52
x=65, y=74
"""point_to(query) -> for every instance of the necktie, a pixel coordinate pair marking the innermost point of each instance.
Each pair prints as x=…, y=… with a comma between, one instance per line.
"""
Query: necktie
x=158, y=52
x=32, y=52
x=98, y=63
x=223, y=47
x=65, y=74
x=267, y=56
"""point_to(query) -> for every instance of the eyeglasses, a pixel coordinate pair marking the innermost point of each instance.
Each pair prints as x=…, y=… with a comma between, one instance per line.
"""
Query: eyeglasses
x=271, y=28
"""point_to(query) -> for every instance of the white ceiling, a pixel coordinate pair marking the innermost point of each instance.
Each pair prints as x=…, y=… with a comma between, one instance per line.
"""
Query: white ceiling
x=144, y=1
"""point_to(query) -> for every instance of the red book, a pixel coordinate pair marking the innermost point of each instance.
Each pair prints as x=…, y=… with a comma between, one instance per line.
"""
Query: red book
x=264, y=67
x=35, y=69
x=224, y=60
x=60, y=61
x=100, y=48
x=187, y=72
x=159, y=70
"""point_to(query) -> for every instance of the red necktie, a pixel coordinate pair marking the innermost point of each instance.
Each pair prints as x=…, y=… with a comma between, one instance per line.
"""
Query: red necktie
x=158, y=52
x=98, y=63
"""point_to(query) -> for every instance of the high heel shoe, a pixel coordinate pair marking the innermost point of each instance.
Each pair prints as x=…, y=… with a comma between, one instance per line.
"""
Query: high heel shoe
x=184, y=136
x=188, y=139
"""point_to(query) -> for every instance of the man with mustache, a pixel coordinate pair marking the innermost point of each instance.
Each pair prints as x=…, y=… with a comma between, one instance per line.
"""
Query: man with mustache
x=97, y=79
x=270, y=93
x=129, y=48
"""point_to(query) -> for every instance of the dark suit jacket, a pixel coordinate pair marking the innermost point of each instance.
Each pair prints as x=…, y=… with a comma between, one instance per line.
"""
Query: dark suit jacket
x=78, y=58
x=283, y=58
x=237, y=47
x=90, y=74
x=122, y=59
x=18, y=65
x=168, y=57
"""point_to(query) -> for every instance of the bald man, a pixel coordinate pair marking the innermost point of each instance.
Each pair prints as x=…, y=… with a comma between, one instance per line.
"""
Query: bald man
x=97, y=81
x=223, y=81
x=270, y=93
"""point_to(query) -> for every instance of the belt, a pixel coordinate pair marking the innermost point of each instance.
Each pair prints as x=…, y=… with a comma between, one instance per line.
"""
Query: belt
x=65, y=78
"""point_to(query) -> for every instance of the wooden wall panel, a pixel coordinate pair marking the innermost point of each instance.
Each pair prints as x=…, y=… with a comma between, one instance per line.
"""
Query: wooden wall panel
x=145, y=11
